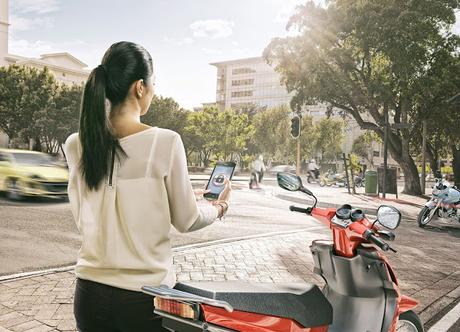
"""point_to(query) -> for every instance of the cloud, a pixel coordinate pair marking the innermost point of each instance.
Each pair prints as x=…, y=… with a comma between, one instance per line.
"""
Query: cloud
x=212, y=28
x=22, y=23
x=35, y=6
x=179, y=41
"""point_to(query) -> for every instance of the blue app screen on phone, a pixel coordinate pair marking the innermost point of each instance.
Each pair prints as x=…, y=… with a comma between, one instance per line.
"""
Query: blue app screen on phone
x=217, y=181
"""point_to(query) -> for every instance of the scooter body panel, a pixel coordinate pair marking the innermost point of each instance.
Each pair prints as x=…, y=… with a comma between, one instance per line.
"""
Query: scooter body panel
x=358, y=287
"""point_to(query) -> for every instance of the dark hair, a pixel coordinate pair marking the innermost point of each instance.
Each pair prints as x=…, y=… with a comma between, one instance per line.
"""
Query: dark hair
x=123, y=63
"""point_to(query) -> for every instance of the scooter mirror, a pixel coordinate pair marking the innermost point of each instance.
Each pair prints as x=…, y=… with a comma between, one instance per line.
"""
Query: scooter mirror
x=289, y=181
x=388, y=216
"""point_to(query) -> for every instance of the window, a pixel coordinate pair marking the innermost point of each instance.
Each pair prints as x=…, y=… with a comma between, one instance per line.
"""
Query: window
x=244, y=70
x=237, y=94
x=243, y=82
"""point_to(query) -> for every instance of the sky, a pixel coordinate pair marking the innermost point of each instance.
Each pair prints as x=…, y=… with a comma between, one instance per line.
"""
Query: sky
x=183, y=36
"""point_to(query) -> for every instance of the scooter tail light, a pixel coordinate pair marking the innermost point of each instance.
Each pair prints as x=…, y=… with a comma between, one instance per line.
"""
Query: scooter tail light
x=176, y=308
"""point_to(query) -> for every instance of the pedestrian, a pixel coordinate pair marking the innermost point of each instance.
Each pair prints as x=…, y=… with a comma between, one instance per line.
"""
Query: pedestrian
x=313, y=169
x=257, y=172
x=128, y=185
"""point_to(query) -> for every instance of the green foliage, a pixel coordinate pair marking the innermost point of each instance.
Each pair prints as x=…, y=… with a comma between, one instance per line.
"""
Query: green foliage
x=25, y=95
x=165, y=112
x=60, y=120
x=366, y=58
x=329, y=138
x=222, y=134
x=362, y=146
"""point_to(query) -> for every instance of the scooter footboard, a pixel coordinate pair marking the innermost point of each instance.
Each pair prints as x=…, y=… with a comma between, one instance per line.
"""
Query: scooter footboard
x=359, y=288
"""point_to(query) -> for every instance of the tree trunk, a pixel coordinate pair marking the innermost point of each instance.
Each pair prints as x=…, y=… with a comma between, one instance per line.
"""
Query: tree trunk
x=456, y=165
x=433, y=158
x=405, y=161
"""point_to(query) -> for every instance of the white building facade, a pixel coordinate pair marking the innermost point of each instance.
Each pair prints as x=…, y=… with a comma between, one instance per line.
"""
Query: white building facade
x=247, y=82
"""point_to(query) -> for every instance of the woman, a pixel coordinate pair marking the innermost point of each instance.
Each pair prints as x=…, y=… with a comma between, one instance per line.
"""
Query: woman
x=128, y=184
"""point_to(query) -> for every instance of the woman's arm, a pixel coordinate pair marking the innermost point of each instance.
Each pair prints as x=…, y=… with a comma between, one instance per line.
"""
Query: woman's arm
x=186, y=215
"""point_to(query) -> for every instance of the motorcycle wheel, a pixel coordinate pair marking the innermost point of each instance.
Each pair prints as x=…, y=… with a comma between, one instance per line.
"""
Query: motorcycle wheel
x=309, y=179
x=409, y=321
x=422, y=216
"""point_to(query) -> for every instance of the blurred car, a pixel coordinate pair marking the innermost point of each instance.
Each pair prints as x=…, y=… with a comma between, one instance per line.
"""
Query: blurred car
x=281, y=168
x=30, y=173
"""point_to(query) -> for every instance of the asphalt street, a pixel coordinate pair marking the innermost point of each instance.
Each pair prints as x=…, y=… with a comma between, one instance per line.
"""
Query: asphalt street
x=38, y=234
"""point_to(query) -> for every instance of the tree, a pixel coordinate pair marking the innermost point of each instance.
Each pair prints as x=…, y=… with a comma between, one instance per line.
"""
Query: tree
x=363, y=146
x=273, y=139
x=60, y=120
x=165, y=112
x=25, y=95
x=223, y=134
x=329, y=138
x=366, y=58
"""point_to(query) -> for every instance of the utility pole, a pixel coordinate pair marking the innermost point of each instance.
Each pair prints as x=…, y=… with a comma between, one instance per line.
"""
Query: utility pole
x=385, y=153
x=297, y=168
x=422, y=180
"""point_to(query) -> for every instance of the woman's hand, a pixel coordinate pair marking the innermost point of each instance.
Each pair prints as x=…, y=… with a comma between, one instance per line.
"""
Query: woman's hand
x=199, y=193
x=225, y=194
x=221, y=203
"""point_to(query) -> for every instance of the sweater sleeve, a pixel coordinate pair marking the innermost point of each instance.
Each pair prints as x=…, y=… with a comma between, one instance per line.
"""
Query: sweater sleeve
x=186, y=215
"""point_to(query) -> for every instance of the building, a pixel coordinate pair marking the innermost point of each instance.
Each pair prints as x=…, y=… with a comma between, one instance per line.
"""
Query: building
x=66, y=68
x=248, y=82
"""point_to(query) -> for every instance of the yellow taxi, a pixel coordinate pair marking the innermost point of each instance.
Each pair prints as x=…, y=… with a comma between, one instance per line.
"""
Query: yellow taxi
x=29, y=173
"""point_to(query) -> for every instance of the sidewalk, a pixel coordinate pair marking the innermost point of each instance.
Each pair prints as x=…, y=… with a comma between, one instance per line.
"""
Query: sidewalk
x=44, y=303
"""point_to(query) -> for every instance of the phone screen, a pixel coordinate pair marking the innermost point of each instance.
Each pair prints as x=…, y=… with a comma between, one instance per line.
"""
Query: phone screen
x=216, y=183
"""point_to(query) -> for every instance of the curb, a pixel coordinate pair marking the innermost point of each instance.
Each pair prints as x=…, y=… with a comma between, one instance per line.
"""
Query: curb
x=24, y=275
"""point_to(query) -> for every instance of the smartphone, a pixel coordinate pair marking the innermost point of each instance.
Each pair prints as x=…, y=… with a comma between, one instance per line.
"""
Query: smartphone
x=216, y=183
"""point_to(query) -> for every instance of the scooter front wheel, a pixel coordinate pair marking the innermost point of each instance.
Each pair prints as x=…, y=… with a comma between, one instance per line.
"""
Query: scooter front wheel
x=409, y=321
x=424, y=217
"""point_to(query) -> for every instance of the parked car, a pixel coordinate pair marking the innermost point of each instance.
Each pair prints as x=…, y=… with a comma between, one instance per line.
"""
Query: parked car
x=281, y=168
x=29, y=173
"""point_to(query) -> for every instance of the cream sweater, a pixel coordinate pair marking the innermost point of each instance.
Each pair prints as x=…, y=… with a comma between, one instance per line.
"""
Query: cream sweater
x=126, y=227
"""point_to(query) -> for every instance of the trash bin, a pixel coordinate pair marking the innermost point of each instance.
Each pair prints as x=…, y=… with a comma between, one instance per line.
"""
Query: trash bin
x=371, y=182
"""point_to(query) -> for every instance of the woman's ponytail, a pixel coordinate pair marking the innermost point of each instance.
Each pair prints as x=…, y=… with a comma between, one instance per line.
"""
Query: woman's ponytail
x=123, y=63
x=96, y=138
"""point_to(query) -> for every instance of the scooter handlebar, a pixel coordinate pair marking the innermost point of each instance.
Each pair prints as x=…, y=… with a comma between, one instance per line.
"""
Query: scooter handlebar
x=299, y=209
x=369, y=235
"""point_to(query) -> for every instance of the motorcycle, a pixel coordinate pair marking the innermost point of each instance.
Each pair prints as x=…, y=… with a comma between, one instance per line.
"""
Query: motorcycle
x=360, y=182
x=313, y=176
x=361, y=292
x=445, y=202
x=329, y=179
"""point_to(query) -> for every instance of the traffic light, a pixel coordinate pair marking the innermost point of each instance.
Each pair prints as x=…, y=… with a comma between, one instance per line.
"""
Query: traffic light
x=295, y=126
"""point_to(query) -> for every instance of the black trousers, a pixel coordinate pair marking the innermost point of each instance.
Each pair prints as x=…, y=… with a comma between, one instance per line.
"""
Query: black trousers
x=103, y=308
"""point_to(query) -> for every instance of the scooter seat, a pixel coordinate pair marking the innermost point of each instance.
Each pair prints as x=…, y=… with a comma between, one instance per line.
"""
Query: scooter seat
x=304, y=303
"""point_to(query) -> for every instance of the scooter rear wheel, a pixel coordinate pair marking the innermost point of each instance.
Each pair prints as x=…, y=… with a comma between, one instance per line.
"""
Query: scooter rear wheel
x=409, y=321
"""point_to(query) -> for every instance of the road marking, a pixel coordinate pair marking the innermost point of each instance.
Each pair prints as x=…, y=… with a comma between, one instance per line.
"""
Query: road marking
x=447, y=321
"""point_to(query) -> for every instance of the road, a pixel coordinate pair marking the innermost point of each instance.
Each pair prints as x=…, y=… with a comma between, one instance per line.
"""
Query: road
x=41, y=234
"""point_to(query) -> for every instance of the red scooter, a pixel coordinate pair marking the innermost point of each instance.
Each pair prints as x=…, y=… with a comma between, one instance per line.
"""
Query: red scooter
x=361, y=292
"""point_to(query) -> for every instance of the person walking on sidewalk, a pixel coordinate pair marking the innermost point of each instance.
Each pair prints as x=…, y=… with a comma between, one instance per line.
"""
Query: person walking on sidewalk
x=257, y=172
x=128, y=184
